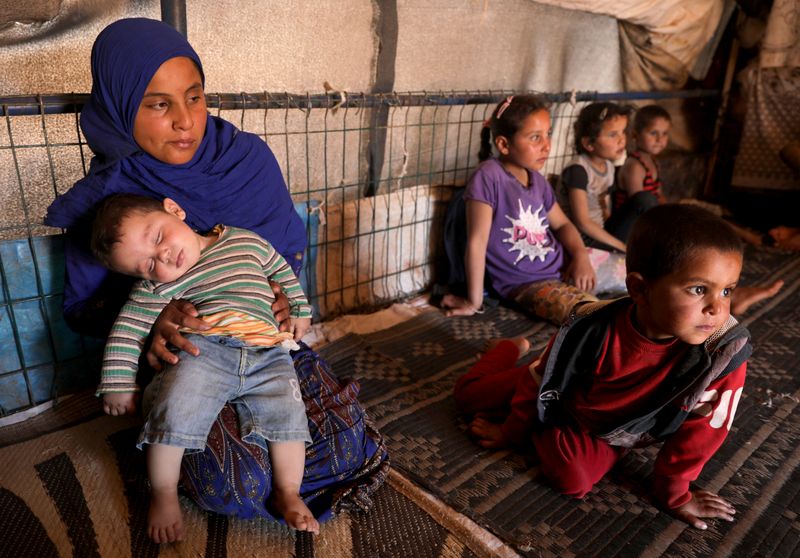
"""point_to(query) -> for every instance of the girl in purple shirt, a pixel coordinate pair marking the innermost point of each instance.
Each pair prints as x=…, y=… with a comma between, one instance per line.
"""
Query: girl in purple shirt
x=516, y=231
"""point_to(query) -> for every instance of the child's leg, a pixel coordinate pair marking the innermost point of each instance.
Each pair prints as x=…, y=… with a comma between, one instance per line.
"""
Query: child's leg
x=551, y=300
x=271, y=411
x=181, y=404
x=288, y=462
x=489, y=383
x=572, y=460
x=164, y=519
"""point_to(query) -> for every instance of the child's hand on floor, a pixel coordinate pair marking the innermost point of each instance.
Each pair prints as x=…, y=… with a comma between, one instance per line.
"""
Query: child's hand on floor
x=457, y=306
x=489, y=434
x=117, y=404
x=704, y=504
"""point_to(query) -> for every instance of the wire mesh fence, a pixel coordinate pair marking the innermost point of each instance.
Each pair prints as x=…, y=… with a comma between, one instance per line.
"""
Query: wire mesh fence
x=369, y=174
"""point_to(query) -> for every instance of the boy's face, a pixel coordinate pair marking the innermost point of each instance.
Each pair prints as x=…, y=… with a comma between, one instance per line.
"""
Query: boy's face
x=158, y=245
x=610, y=142
x=690, y=303
x=655, y=137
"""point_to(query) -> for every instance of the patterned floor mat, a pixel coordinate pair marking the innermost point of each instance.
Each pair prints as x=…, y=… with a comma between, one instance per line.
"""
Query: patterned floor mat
x=407, y=374
x=73, y=484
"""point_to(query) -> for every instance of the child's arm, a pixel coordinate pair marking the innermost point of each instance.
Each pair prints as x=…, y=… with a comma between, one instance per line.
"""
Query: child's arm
x=685, y=453
x=277, y=270
x=631, y=176
x=118, y=386
x=579, y=270
x=579, y=204
x=479, y=225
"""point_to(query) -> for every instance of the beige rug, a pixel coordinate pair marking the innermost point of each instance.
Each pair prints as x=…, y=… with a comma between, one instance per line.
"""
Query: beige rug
x=71, y=484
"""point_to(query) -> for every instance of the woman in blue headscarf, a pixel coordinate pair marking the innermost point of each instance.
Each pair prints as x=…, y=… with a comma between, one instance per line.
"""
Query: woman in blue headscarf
x=147, y=124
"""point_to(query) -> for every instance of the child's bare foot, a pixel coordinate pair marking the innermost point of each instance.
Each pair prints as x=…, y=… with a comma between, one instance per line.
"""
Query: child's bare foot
x=787, y=238
x=294, y=511
x=744, y=297
x=522, y=344
x=164, y=519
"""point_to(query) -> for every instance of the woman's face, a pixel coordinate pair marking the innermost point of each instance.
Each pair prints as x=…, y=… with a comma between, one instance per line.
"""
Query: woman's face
x=171, y=120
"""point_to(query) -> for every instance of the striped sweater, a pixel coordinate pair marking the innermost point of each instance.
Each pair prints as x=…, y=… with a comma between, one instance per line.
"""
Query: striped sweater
x=229, y=286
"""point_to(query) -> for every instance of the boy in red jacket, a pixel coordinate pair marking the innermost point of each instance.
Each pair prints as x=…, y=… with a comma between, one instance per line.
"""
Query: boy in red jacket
x=665, y=364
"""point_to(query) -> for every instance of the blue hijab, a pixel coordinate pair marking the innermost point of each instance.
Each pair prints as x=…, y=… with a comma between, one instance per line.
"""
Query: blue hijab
x=233, y=177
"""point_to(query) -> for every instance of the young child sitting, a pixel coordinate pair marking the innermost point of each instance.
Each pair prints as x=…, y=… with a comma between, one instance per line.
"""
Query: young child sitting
x=639, y=185
x=666, y=364
x=226, y=276
x=587, y=180
x=516, y=230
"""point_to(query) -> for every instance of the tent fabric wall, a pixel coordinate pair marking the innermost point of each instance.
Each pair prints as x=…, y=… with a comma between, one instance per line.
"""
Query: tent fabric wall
x=663, y=42
x=772, y=121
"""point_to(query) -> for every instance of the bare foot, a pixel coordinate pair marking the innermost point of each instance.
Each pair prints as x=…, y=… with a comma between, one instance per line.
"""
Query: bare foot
x=787, y=238
x=745, y=297
x=294, y=511
x=164, y=519
x=522, y=344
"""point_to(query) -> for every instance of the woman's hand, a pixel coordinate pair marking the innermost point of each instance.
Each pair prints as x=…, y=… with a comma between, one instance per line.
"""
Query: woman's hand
x=704, y=504
x=118, y=404
x=280, y=308
x=176, y=314
x=579, y=272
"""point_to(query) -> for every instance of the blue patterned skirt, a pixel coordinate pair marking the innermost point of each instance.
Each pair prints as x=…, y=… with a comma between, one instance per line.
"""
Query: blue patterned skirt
x=345, y=463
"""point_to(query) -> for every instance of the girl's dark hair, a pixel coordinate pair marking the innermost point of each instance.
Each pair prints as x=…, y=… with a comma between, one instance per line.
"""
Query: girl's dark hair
x=645, y=116
x=665, y=236
x=519, y=107
x=591, y=118
x=108, y=218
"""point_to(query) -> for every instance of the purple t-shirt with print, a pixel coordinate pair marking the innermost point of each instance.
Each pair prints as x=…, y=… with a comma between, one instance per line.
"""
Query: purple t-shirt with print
x=522, y=248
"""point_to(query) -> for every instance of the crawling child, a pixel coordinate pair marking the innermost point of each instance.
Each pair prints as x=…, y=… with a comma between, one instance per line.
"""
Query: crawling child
x=665, y=364
x=243, y=357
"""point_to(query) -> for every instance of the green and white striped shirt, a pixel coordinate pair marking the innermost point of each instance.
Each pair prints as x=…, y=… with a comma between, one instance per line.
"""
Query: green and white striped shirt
x=229, y=287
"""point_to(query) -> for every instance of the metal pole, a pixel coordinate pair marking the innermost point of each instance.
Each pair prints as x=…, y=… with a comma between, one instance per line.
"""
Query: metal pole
x=173, y=12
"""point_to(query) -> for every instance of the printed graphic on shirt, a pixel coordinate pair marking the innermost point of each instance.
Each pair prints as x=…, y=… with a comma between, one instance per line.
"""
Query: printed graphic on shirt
x=528, y=234
x=720, y=407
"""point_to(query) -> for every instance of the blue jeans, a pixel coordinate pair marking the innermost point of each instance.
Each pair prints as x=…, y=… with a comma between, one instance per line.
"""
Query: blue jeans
x=182, y=402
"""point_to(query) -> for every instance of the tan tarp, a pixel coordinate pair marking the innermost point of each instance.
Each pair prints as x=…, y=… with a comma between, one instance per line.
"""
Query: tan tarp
x=662, y=42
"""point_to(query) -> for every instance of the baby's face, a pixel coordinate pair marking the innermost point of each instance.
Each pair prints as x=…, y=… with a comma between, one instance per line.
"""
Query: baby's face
x=654, y=138
x=158, y=246
x=693, y=301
